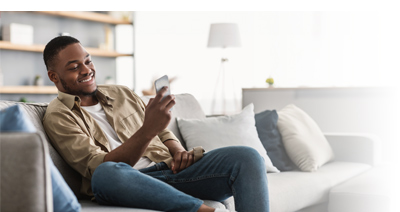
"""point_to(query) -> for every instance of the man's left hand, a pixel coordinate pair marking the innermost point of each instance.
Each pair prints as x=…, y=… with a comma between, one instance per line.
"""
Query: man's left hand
x=181, y=161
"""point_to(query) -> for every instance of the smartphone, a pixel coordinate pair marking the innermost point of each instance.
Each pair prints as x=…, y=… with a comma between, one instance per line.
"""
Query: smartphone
x=162, y=82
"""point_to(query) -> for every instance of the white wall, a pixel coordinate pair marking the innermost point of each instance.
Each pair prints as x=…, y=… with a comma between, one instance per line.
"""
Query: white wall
x=296, y=48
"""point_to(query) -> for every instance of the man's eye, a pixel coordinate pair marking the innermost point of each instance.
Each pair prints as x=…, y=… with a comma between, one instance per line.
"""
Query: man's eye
x=74, y=68
x=88, y=62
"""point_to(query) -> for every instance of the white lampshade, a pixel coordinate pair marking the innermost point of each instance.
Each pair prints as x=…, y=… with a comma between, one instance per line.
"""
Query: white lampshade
x=224, y=35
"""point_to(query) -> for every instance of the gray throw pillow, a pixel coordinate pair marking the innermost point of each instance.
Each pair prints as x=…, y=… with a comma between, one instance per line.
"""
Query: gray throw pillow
x=267, y=129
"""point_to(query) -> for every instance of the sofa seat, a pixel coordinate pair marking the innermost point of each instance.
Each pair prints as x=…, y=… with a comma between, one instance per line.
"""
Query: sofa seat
x=294, y=190
x=89, y=206
x=369, y=192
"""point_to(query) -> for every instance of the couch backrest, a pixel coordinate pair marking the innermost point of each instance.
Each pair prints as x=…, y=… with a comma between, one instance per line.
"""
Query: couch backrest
x=186, y=107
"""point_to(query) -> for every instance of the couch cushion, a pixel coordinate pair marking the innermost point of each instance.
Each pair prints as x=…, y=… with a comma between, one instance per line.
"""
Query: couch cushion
x=304, y=142
x=35, y=112
x=224, y=131
x=14, y=119
x=294, y=190
x=89, y=206
x=369, y=192
x=267, y=129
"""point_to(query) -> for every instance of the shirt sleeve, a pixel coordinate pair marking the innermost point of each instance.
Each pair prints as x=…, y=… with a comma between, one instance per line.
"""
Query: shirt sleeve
x=76, y=147
x=167, y=135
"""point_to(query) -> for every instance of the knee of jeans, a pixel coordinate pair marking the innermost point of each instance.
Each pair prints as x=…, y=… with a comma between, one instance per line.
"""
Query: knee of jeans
x=106, y=172
x=249, y=155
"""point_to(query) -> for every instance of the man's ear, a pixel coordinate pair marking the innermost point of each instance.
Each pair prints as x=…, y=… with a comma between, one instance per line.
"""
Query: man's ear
x=53, y=76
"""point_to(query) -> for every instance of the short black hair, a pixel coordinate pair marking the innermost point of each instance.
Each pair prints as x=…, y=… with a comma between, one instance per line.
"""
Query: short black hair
x=55, y=46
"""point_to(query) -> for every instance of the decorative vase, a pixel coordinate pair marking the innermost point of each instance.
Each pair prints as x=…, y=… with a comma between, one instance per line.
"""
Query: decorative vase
x=38, y=81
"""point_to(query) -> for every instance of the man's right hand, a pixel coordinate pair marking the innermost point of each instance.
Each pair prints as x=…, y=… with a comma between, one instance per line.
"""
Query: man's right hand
x=157, y=114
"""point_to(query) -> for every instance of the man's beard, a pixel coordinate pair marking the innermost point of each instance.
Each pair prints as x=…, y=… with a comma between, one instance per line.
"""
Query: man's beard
x=78, y=93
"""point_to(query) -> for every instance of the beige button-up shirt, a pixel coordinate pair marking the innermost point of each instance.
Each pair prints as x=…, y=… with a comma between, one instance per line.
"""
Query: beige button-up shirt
x=80, y=140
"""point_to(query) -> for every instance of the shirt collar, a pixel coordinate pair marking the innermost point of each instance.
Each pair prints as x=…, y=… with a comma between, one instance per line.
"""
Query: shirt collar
x=103, y=96
x=69, y=100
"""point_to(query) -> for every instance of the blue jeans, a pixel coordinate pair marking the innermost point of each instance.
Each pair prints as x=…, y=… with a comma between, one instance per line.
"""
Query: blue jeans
x=221, y=173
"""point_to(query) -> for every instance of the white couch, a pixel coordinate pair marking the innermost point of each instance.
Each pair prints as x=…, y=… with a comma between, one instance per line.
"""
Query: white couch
x=288, y=191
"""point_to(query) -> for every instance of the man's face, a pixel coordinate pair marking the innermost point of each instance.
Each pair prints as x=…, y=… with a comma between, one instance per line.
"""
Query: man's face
x=75, y=71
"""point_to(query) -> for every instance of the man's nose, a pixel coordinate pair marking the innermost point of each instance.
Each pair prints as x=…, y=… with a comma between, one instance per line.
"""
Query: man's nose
x=85, y=70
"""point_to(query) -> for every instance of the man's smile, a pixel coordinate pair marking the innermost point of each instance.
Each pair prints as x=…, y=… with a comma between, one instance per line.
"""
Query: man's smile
x=88, y=78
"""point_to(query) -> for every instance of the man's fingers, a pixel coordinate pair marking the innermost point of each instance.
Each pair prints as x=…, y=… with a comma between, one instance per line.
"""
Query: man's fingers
x=184, y=161
x=168, y=102
x=160, y=94
x=181, y=161
x=177, y=162
x=172, y=165
x=150, y=101
x=171, y=102
x=190, y=160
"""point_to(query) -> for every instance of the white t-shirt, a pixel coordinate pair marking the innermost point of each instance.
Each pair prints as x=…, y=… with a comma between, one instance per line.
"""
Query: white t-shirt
x=98, y=114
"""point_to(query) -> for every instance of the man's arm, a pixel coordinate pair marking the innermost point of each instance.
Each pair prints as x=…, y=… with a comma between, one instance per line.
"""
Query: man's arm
x=157, y=117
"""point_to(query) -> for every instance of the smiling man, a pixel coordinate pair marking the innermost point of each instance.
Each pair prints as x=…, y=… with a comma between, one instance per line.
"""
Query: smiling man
x=124, y=152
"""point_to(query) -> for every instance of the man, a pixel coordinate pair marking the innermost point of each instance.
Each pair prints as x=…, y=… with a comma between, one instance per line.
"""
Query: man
x=103, y=131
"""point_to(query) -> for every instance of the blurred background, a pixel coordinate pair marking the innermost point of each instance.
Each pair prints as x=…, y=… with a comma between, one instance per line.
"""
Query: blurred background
x=340, y=67
x=296, y=49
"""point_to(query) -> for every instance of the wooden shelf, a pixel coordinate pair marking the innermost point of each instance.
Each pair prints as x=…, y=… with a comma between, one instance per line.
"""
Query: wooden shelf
x=89, y=16
x=28, y=90
x=39, y=48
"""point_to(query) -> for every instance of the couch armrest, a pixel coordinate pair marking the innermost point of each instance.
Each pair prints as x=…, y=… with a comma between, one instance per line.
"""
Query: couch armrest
x=351, y=147
x=25, y=175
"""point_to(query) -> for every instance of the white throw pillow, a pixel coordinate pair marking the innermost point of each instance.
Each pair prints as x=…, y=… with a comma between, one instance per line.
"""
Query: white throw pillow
x=223, y=131
x=304, y=141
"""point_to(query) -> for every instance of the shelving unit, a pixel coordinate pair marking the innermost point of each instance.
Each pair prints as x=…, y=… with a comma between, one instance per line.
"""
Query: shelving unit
x=28, y=90
x=39, y=48
x=87, y=16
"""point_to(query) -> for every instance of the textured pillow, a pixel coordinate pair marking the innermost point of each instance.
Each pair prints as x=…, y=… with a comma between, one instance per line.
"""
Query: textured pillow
x=217, y=132
x=267, y=129
x=13, y=119
x=304, y=142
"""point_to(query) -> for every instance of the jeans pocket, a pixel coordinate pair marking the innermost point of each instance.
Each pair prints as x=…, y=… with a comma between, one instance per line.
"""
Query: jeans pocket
x=162, y=166
x=158, y=167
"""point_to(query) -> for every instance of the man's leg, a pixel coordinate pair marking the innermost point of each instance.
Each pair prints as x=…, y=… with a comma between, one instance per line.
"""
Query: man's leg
x=221, y=173
x=120, y=184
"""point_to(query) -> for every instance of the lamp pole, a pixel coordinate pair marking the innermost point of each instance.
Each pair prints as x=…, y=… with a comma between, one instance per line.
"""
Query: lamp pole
x=223, y=35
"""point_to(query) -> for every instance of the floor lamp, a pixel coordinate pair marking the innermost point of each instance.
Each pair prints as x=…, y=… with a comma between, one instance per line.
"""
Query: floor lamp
x=223, y=35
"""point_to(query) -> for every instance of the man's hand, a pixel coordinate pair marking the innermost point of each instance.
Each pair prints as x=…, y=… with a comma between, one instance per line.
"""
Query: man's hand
x=157, y=115
x=156, y=119
x=181, y=161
